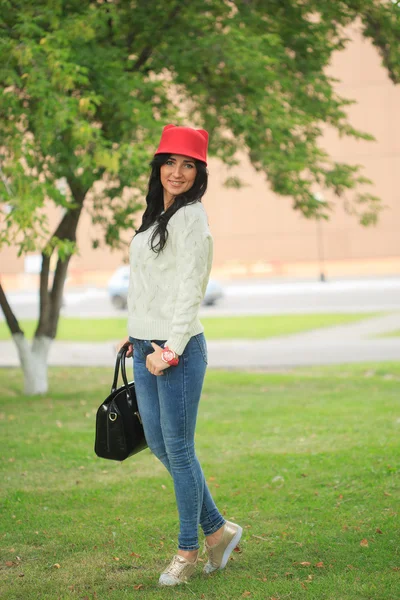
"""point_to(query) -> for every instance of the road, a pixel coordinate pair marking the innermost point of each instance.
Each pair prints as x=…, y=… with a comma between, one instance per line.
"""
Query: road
x=247, y=297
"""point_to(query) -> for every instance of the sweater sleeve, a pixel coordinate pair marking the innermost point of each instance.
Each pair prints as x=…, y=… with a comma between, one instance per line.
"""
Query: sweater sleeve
x=194, y=247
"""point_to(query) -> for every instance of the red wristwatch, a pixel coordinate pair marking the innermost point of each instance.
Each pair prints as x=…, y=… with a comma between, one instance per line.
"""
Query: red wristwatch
x=169, y=357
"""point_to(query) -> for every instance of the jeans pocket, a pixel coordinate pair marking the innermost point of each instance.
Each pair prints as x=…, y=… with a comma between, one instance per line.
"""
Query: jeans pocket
x=201, y=341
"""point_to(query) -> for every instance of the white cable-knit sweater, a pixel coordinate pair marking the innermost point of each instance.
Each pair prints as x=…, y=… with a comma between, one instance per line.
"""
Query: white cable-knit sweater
x=166, y=290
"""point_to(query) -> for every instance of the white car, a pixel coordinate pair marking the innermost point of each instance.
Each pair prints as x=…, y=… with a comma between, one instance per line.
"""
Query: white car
x=119, y=283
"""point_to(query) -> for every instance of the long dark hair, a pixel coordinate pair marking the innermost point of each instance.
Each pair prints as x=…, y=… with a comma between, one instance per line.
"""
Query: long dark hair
x=155, y=200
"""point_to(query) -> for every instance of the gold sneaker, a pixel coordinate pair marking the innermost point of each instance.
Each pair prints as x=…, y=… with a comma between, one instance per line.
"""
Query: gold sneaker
x=219, y=554
x=178, y=571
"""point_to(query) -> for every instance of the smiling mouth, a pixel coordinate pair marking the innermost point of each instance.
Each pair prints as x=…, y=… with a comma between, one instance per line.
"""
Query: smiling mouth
x=175, y=183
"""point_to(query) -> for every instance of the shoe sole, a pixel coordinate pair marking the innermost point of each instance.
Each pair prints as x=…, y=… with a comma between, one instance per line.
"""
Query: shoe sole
x=228, y=550
x=230, y=547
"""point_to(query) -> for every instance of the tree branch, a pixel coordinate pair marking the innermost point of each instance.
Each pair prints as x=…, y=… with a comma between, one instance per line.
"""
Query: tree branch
x=10, y=318
x=147, y=50
x=376, y=31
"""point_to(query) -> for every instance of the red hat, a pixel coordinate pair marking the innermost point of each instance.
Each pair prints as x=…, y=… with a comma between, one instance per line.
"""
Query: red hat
x=184, y=140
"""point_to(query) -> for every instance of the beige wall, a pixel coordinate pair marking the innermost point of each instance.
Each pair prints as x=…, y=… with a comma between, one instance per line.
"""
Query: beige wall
x=257, y=233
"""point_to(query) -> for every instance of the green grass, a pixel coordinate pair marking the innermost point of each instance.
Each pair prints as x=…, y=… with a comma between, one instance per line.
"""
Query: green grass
x=255, y=327
x=306, y=461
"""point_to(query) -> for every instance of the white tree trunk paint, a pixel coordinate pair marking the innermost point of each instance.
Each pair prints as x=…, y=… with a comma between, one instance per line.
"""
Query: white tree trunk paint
x=33, y=361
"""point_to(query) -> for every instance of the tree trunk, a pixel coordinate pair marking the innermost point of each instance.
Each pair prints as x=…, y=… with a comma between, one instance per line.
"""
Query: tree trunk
x=33, y=361
x=33, y=358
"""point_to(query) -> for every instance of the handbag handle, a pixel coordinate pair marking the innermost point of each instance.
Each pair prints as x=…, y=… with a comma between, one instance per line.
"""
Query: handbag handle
x=120, y=357
x=124, y=377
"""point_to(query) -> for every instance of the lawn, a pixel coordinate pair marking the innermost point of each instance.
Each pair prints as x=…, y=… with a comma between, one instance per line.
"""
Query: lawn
x=306, y=461
x=216, y=328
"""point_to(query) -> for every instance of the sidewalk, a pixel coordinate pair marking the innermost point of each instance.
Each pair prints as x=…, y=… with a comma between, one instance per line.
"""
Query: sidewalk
x=330, y=345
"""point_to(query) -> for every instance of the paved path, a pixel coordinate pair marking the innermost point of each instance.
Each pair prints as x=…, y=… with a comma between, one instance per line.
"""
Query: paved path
x=331, y=345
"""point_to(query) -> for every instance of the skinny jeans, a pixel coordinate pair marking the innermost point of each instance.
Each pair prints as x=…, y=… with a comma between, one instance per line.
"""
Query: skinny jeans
x=168, y=406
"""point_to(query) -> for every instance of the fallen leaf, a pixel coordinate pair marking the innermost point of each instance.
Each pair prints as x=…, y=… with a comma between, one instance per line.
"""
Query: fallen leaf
x=116, y=558
x=364, y=543
x=59, y=424
x=246, y=594
x=277, y=478
x=21, y=574
x=387, y=494
x=211, y=478
x=379, y=530
x=9, y=563
x=369, y=373
x=305, y=564
x=138, y=586
x=288, y=575
x=303, y=585
x=320, y=565
x=237, y=549
x=56, y=565
x=164, y=487
x=12, y=550
x=134, y=554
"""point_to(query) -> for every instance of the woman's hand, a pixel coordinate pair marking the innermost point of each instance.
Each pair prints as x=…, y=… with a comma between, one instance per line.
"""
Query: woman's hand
x=125, y=342
x=154, y=362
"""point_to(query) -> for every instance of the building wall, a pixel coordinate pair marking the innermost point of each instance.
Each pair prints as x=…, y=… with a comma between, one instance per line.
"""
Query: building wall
x=257, y=232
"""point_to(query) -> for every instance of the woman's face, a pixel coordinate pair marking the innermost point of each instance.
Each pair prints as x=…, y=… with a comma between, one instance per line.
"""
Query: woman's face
x=177, y=175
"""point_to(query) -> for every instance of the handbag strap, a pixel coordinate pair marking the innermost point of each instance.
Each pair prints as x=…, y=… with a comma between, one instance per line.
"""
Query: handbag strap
x=120, y=361
x=125, y=379
x=120, y=356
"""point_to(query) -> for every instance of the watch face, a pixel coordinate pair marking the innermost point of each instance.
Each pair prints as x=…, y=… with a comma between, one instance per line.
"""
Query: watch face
x=168, y=355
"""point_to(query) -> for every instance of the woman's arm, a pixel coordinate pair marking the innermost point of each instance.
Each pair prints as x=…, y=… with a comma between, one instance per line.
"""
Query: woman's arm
x=194, y=247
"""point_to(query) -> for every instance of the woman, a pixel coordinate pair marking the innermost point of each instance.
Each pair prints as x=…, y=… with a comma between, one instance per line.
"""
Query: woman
x=170, y=258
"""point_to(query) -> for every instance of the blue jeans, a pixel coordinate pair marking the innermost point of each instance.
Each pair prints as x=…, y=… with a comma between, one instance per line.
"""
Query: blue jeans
x=168, y=407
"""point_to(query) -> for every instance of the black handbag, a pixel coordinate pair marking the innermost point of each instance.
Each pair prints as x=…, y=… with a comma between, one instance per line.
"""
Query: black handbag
x=119, y=429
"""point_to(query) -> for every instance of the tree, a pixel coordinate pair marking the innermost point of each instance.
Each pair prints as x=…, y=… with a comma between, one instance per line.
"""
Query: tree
x=88, y=85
